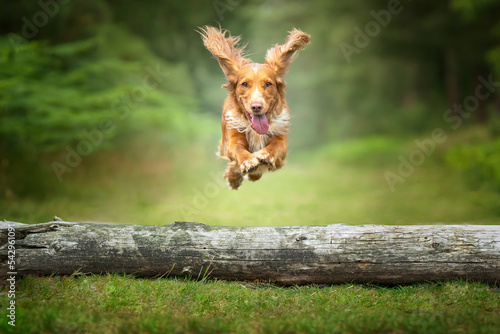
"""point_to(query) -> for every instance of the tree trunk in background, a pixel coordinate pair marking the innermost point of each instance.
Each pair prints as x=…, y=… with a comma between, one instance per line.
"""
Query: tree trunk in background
x=451, y=78
x=481, y=112
x=284, y=255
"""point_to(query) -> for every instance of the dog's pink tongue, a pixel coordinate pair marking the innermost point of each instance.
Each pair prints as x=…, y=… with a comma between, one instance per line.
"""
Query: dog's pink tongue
x=259, y=124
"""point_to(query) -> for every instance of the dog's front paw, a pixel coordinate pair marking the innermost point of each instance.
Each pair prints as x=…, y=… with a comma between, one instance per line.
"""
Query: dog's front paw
x=249, y=165
x=265, y=157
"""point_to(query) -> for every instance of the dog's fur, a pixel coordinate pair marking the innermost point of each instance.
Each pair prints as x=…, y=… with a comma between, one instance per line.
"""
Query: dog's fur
x=255, y=115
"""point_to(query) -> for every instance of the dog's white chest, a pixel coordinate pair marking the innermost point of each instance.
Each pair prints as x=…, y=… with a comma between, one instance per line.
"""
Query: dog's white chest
x=255, y=141
x=278, y=126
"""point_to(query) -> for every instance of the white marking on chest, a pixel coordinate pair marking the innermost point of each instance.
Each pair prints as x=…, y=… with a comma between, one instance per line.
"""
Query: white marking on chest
x=256, y=142
x=278, y=125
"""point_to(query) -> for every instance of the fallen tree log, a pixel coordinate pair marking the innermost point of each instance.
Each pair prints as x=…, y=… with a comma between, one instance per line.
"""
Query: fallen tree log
x=285, y=255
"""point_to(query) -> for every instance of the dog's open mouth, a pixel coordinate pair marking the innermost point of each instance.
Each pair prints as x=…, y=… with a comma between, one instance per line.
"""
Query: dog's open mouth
x=259, y=123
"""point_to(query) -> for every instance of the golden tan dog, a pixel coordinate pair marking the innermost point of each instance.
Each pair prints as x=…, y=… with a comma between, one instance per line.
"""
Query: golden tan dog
x=255, y=115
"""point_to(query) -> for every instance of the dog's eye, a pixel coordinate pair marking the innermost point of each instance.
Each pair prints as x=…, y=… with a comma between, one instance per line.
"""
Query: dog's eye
x=268, y=84
x=245, y=84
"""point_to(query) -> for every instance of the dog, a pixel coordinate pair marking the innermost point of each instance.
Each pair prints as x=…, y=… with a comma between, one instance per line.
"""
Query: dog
x=255, y=117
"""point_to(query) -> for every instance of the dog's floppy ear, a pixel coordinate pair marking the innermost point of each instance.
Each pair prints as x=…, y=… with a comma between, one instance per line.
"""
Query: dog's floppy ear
x=281, y=56
x=225, y=49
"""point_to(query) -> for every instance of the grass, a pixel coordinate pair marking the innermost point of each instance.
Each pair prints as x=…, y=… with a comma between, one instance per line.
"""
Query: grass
x=329, y=185
x=121, y=304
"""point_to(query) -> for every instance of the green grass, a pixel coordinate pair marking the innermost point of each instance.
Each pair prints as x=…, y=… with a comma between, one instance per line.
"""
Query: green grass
x=325, y=187
x=121, y=304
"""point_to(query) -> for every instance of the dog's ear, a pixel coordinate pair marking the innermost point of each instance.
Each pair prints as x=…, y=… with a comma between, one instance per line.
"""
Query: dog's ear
x=281, y=56
x=225, y=49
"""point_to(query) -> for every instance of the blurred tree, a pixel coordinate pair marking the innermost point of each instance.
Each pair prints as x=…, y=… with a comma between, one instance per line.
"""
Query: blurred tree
x=69, y=95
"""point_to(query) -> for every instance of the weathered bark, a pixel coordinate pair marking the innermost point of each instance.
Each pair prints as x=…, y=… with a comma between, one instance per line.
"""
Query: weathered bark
x=285, y=255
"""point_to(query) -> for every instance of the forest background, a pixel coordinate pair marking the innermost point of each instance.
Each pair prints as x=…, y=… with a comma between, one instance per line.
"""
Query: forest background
x=110, y=111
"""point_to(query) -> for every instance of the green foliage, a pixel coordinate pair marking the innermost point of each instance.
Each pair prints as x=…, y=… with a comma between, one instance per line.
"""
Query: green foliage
x=479, y=164
x=494, y=125
x=53, y=96
x=494, y=56
x=471, y=9
x=374, y=151
x=51, y=93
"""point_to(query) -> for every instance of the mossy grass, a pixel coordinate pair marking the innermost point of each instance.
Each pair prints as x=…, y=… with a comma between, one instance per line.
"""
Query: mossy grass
x=125, y=304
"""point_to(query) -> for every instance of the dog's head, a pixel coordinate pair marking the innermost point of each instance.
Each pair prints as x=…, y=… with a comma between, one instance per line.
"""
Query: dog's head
x=255, y=87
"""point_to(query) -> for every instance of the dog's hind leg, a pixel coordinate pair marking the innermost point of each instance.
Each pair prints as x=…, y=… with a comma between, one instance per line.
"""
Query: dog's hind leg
x=254, y=177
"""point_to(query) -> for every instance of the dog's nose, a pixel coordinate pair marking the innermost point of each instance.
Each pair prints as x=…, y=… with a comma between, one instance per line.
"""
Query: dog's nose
x=256, y=107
